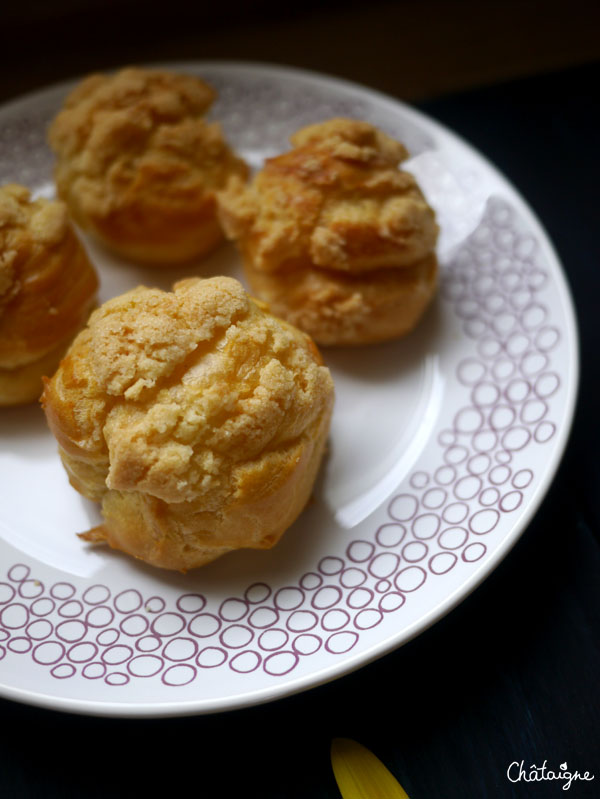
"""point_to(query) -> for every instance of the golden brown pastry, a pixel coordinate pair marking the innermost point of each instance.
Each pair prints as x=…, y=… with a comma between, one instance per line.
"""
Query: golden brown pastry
x=138, y=165
x=47, y=290
x=335, y=237
x=195, y=417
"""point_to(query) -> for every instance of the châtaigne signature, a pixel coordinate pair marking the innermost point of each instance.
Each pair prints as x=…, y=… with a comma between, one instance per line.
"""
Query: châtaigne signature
x=517, y=772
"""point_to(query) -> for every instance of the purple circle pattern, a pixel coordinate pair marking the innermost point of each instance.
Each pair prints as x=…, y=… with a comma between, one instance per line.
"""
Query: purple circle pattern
x=436, y=520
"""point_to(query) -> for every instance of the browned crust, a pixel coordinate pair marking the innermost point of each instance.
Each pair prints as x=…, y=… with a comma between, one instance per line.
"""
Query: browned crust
x=47, y=290
x=139, y=166
x=334, y=235
x=195, y=417
x=339, y=309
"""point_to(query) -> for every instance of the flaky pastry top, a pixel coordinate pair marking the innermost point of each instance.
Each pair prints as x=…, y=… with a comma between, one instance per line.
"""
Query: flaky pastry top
x=46, y=281
x=24, y=226
x=337, y=200
x=137, y=133
x=183, y=395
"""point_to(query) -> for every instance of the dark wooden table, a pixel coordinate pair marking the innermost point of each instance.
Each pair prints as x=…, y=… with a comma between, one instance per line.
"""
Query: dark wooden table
x=510, y=675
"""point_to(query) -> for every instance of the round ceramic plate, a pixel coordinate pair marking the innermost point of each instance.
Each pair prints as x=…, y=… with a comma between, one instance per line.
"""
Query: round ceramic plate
x=442, y=447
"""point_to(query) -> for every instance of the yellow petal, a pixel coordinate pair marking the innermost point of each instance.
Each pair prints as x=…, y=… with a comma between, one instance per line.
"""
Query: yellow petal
x=361, y=775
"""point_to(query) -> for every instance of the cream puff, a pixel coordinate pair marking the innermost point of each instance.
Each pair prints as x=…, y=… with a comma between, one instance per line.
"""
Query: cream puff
x=195, y=417
x=335, y=237
x=47, y=289
x=139, y=166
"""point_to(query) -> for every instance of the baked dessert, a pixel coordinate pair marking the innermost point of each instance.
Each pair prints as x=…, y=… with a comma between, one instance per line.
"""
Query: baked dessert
x=334, y=236
x=196, y=418
x=47, y=290
x=138, y=165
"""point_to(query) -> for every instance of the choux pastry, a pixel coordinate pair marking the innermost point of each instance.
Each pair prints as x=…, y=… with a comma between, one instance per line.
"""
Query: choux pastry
x=334, y=236
x=196, y=418
x=47, y=290
x=139, y=166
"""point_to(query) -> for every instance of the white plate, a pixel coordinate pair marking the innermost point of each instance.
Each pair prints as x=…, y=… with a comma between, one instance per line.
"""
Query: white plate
x=442, y=448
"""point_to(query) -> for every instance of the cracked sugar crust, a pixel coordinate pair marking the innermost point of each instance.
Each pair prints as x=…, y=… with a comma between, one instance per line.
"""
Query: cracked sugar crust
x=198, y=408
x=347, y=309
x=25, y=225
x=47, y=288
x=139, y=166
x=337, y=199
x=335, y=237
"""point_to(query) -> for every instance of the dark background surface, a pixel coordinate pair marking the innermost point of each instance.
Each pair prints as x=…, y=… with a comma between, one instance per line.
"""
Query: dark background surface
x=512, y=674
x=411, y=49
